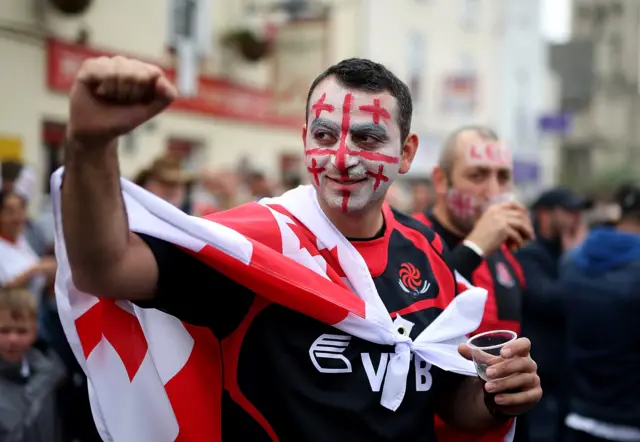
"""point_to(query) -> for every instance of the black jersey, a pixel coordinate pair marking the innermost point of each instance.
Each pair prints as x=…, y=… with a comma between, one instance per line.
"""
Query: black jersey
x=288, y=377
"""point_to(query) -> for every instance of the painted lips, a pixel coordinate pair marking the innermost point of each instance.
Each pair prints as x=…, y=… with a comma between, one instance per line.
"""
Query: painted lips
x=346, y=182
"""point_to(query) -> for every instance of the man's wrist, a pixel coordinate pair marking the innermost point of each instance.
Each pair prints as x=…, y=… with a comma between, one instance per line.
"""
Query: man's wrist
x=495, y=413
x=473, y=246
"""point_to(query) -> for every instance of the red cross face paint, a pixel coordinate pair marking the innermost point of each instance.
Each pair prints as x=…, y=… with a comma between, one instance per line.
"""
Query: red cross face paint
x=352, y=145
x=463, y=209
x=492, y=153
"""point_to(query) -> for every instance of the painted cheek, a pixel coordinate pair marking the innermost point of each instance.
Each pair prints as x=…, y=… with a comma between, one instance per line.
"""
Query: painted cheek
x=316, y=165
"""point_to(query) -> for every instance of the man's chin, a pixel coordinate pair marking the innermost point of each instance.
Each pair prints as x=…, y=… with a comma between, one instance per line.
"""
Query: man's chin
x=463, y=227
x=353, y=203
x=13, y=357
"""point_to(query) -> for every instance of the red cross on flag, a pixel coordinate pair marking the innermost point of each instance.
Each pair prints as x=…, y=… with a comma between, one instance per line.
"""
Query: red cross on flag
x=153, y=378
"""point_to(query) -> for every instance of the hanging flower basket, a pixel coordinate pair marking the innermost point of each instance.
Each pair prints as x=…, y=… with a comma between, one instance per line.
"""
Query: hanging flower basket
x=71, y=7
x=248, y=44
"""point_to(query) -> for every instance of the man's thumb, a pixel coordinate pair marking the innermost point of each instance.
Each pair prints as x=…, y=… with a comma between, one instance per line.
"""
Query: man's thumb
x=465, y=351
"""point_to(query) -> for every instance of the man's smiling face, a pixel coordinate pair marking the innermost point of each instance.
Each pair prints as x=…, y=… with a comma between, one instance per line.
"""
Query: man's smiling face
x=353, y=145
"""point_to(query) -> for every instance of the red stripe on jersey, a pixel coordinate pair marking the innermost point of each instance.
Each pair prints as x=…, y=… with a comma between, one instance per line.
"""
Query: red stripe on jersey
x=420, y=216
x=375, y=252
x=515, y=265
x=483, y=278
x=442, y=272
x=449, y=434
x=231, y=347
x=437, y=241
x=419, y=306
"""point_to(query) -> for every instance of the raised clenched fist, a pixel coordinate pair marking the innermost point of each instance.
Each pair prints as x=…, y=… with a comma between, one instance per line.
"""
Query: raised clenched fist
x=113, y=95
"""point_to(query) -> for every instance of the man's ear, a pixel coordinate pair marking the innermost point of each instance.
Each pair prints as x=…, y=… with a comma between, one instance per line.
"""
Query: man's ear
x=304, y=135
x=440, y=181
x=409, y=150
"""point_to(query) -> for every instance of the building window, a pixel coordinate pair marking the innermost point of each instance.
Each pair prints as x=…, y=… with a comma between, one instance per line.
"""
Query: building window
x=416, y=60
x=52, y=138
x=190, y=20
x=470, y=15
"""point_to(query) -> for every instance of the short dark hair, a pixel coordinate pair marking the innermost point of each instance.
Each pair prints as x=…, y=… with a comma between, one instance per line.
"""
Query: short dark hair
x=10, y=170
x=365, y=75
x=628, y=198
x=5, y=195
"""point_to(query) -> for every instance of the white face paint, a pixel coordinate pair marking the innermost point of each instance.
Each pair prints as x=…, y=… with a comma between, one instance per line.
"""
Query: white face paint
x=352, y=145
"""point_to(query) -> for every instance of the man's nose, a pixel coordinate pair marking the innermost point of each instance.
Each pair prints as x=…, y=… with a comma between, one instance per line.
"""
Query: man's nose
x=493, y=187
x=344, y=159
x=13, y=338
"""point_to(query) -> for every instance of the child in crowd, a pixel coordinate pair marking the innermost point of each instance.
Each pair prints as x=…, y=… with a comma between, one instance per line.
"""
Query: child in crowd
x=29, y=378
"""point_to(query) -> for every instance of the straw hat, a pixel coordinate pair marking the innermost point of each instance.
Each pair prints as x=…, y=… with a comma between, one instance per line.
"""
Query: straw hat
x=167, y=170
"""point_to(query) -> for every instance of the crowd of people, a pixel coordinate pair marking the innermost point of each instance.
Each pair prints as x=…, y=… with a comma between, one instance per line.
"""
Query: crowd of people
x=553, y=276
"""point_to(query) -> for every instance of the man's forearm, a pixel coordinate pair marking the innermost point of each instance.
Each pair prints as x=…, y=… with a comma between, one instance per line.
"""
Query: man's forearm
x=93, y=215
x=464, y=407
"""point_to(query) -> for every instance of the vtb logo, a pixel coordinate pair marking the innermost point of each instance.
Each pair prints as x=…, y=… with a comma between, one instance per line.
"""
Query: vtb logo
x=410, y=280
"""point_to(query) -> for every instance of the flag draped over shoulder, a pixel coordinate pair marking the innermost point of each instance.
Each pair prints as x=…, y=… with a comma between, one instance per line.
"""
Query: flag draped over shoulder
x=149, y=374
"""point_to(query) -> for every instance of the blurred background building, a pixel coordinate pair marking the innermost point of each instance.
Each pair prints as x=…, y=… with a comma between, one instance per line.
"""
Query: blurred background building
x=244, y=67
x=599, y=71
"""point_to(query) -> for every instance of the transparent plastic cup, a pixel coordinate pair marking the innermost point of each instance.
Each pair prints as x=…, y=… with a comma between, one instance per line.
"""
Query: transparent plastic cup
x=487, y=346
x=502, y=198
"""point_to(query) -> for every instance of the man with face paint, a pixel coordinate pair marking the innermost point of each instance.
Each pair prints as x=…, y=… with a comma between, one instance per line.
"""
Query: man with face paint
x=475, y=216
x=287, y=377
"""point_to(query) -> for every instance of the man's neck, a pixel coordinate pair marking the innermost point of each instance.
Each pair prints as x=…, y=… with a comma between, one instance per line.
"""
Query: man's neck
x=441, y=215
x=361, y=225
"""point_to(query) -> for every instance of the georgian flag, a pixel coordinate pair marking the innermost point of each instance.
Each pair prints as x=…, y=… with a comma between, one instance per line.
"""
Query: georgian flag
x=149, y=374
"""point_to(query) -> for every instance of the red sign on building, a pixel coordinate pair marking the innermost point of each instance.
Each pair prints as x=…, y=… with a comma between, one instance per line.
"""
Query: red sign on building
x=216, y=97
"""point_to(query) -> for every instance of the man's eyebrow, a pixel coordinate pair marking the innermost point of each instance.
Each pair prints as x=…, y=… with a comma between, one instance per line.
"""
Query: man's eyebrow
x=325, y=124
x=369, y=129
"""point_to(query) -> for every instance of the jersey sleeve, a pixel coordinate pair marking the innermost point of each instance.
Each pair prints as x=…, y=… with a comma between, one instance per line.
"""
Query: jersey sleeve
x=463, y=260
x=452, y=258
x=194, y=292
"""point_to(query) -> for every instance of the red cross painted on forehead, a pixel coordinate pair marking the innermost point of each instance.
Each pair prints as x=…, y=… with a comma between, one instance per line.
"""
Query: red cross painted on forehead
x=376, y=110
x=343, y=150
x=320, y=106
x=492, y=152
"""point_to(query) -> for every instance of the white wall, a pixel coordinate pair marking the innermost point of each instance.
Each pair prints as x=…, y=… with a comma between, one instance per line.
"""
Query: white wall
x=449, y=49
x=523, y=75
x=117, y=25
x=22, y=88
x=528, y=89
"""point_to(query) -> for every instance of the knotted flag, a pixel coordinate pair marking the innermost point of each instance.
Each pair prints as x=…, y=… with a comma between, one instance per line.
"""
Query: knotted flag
x=149, y=373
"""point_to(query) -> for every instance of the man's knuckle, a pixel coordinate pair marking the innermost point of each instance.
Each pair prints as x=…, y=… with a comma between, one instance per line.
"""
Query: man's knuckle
x=534, y=366
x=531, y=380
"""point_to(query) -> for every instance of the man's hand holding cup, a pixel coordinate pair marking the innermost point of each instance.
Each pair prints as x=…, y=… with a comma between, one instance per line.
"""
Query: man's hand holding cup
x=502, y=360
x=502, y=222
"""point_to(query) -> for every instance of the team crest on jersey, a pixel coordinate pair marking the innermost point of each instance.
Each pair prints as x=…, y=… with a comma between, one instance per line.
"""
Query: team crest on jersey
x=410, y=280
x=503, y=275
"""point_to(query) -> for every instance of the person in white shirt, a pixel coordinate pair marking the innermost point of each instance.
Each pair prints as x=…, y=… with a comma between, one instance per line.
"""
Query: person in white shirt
x=20, y=266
